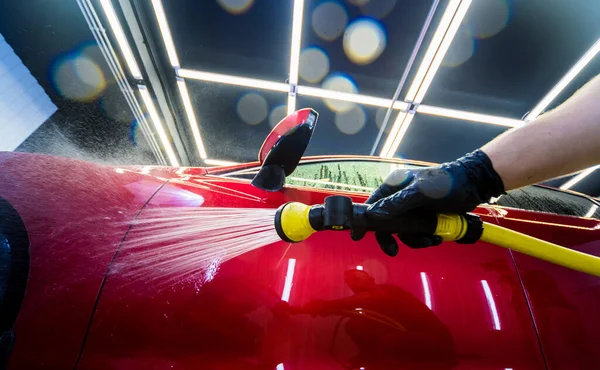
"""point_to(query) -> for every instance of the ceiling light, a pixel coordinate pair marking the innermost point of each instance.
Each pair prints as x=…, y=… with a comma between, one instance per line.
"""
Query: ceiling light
x=441, y=53
x=189, y=110
x=556, y=90
x=158, y=125
x=165, y=32
x=296, y=41
x=468, y=116
x=218, y=162
x=115, y=25
x=569, y=184
x=397, y=134
x=350, y=97
x=291, y=104
x=433, y=50
x=232, y=80
x=442, y=38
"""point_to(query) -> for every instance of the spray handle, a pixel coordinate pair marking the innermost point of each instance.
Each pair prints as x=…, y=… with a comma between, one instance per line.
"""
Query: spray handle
x=451, y=227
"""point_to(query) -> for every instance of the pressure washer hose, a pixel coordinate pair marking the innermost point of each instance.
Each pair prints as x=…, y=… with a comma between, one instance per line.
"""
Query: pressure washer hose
x=541, y=249
x=294, y=222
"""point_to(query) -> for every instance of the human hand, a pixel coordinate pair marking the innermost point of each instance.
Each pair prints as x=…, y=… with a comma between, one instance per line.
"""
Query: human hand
x=454, y=187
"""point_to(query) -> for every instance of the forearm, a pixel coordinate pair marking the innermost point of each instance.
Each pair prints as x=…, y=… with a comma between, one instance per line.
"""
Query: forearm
x=560, y=142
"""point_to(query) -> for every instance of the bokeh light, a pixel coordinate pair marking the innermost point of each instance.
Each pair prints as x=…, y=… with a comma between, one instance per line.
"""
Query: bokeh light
x=378, y=8
x=487, y=18
x=343, y=83
x=277, y=114
x=461, y=49
x=380, y=116
x=78, y=78
x=329, y=20
x=252, y=108
x=351, y=121
x=134, y=132
x=440, y=188
x=314, y=64
x=236, y=7
x=364, y=41
x=358, y=2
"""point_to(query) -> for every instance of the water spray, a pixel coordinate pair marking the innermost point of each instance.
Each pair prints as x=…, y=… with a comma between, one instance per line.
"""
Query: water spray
x=295, y=222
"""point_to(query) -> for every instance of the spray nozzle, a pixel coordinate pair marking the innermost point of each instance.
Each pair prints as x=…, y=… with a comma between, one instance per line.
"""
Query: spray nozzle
x=295, y=221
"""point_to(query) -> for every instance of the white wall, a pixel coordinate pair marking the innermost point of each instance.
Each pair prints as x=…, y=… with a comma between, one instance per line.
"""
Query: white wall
x=24, y=105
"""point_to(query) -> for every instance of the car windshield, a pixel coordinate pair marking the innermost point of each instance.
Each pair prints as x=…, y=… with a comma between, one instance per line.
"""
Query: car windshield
x=364, y=176
x=348, y=175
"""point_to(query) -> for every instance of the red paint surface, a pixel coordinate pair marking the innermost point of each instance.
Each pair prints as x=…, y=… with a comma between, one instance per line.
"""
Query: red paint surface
x=565, y=303
x=76, y=214
x=337, y=316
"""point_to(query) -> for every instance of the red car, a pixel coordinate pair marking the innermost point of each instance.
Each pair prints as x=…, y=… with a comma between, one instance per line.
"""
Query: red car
x=66, y=233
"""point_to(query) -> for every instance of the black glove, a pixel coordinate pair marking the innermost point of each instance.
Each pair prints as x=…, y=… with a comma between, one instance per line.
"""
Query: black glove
x=455, y=187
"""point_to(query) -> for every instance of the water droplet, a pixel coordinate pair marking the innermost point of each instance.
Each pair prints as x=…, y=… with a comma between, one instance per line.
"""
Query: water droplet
x=487, y=18
x=277, y=114
x=364, y=41
x=378, y=8
x=343, y=83
x=329, y=20
x=252, y=108
x=236, y=7
x=351, y=121
x=78, y=78
x=461, y=49
x=314, y=64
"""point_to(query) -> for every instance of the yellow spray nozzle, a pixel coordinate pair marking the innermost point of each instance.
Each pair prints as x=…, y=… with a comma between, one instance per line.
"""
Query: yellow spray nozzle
x=292, y=222
x=295, y=222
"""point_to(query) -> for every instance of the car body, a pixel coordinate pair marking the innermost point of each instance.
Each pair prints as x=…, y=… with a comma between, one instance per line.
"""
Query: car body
x=325, y=303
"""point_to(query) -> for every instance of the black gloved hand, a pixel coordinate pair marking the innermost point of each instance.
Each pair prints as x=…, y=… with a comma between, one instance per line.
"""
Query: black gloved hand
x=455, y=187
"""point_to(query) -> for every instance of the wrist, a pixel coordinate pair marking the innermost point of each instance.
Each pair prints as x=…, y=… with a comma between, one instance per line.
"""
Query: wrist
x=483, y=175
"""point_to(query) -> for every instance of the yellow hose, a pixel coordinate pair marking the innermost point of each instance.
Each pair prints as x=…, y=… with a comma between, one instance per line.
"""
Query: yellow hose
x=541, y=249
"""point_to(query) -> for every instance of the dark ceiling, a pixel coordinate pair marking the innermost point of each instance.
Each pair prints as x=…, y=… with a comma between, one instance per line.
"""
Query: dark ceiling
x=506, y=56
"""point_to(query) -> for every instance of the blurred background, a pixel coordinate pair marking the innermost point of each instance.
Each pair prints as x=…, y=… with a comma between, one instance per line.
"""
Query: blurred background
x=195, y=83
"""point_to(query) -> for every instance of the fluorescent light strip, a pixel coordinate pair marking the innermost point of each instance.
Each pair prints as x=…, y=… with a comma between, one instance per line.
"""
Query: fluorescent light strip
x=491, y=304
x=426, y=291
x=396, y=135
x=296, y=41
x=350, y=97
x=232, y=80
x=187, y=103
x=115, y=25
x=569, y=184
x=158, y=125
x=289, y=280
x=291, y=104
x=591, y=212
x=556, y=90
x=165, y=32
x=433, y=48
x=441, y=53
x=218, y=162
x=442, y=39
x=468, y=116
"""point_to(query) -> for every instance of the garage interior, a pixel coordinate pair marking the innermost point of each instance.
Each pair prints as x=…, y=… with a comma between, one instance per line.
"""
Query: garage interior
x=202, y=83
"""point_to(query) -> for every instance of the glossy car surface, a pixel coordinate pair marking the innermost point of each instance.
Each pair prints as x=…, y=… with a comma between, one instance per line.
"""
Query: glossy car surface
x=325, y=303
